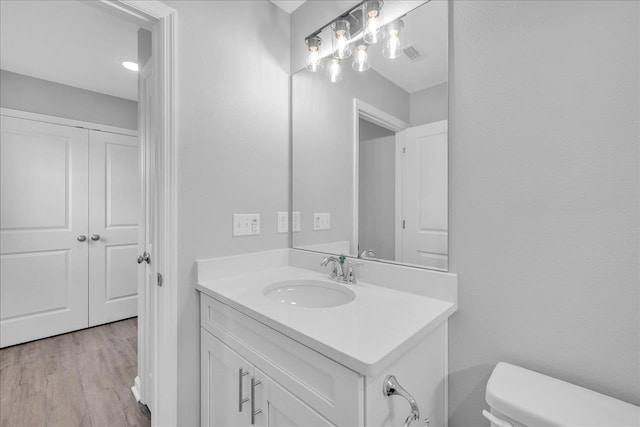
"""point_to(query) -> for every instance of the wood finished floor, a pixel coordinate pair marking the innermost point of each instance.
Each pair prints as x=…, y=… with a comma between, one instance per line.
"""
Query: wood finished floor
x=83, y=378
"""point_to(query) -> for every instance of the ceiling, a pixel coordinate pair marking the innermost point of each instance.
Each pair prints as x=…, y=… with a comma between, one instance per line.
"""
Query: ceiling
x=70, y=42
x=426, y=29
x=288, y=5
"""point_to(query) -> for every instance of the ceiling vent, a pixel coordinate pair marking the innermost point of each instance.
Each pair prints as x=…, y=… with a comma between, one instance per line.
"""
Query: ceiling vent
x=413, y=54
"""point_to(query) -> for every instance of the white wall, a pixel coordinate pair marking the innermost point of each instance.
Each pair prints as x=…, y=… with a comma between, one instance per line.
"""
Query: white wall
x=144, y=47
x=26, y=93
x=429, y=105
x=544, y=195
x=544, y=180
x=233, y=148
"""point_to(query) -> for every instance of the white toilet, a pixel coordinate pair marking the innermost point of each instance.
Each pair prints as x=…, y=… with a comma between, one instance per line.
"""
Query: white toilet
x=520, y=397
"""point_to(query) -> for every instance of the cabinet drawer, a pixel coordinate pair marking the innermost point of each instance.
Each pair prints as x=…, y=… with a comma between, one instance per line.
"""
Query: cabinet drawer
x=328, y=387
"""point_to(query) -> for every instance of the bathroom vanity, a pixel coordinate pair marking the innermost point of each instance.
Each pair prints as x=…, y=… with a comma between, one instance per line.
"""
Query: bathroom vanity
x=283, y=345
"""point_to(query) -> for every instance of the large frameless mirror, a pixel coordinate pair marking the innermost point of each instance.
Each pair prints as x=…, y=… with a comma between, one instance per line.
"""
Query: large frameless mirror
x=370, y=114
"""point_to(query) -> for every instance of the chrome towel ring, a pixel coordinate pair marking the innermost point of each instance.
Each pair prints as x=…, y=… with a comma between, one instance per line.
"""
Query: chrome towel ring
x=391, y=387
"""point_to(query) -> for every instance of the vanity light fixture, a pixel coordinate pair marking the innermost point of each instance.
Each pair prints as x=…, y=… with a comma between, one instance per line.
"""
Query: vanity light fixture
x=360, y=57
x=342, y=36
x=353, y=33
x=130, y=65
x=335, y=71
x=393, y=44
x=371, y=11
x=314, y=61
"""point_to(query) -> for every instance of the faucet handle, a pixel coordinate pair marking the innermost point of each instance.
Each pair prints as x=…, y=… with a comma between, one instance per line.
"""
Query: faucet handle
x=351, y=274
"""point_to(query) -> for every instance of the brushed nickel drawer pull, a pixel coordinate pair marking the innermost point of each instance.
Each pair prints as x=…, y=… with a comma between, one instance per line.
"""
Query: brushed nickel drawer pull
x=254, y=411
x=241, y=401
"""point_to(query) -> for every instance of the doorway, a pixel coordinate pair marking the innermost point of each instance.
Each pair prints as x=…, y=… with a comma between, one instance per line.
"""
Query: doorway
x=400, y=189
x=159, y=19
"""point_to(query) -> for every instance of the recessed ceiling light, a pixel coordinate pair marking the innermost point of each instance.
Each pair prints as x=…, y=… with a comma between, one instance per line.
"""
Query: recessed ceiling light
x=130, y=65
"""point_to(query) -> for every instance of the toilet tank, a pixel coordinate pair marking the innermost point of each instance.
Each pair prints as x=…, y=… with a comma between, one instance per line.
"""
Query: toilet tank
x=526, y=398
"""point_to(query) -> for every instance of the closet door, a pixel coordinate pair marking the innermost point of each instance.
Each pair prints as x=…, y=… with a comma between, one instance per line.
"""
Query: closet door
x=114, y=204
x=43, y=222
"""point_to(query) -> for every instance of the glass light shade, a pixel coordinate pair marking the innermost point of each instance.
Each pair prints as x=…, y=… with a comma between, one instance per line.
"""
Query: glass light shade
x=371, y=11
x=341, y=36
x=361, y=58
x=314, y=61
x=393, y=45
x=334, y=71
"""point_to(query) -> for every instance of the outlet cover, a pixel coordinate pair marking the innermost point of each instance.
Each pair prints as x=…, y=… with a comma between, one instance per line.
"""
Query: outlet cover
x=321, y=221
x=283, y=222
x=246, y=224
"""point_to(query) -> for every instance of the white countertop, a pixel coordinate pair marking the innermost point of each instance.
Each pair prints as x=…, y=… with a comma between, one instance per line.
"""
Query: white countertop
x=365, y=335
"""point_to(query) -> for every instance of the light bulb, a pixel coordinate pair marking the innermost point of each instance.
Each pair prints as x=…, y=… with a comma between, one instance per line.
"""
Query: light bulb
x=314, y=61
x=342, y=35
x=371, y=10
x=335, y=71
x=130, y=65
x=393, y=45
x=361, y=59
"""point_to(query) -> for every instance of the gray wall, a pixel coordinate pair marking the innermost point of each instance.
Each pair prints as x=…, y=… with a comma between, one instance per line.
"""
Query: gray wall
x=377, y=190
x=232, y=146
x=323, y=145
x=144, y=47
x=544, y=195
x=25, y=93
x=429, y=105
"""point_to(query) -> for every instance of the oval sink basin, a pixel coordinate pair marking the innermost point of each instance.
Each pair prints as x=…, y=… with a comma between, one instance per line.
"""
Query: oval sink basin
x=309, y=293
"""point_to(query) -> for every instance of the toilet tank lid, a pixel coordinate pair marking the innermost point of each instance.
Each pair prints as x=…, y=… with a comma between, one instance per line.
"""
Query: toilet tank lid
x=537, y=400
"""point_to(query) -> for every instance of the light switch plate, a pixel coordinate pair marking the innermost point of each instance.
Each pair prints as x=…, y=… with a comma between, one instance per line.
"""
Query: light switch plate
x=283, y=222
x=296, y=222
x=246, y=224
x=321, y=221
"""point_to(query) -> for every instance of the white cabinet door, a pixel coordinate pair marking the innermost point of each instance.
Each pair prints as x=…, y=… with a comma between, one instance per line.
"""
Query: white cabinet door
x=43, y=214
x=279, y=408
x=225, y=380
x=114, y=206
x=425, y=195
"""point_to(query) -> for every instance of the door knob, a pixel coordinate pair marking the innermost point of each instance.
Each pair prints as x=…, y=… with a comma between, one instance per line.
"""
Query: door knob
x=95, y=237
x=81, y=238
x=145, y=257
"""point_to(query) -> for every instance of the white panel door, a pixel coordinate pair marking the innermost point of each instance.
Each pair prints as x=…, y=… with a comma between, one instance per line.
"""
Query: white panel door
x=425, y=195
x=114, y=204
x=43, y=221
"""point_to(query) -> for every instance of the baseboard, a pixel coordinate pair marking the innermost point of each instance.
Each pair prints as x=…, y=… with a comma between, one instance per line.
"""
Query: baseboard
x=136, y=389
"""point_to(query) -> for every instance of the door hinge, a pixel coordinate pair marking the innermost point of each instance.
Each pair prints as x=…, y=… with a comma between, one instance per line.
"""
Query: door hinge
x=404, y=224
x=404, y=151
x=159, y=279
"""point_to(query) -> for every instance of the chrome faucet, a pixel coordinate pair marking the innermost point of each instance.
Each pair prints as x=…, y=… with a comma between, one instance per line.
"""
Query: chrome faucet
x=367, y=253
x=338, y=272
